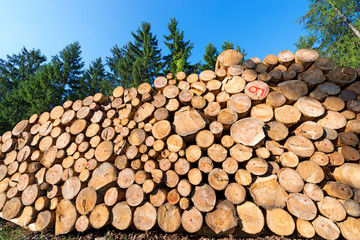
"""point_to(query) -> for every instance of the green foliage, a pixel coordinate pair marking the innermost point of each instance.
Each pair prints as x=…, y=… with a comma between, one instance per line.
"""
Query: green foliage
x=68, y=70
x=210, y=56
x=15, y=71
x=329, y=34
x=180, y=51
x=96, y=80
x=138, y=61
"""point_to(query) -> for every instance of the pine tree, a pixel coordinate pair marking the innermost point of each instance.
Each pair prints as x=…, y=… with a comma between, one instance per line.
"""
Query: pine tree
x=333, y=28
x=68, y=71
x=138, y=61
x=210, y=56
x=16, y=71
x=96, y=80
x=180, y=51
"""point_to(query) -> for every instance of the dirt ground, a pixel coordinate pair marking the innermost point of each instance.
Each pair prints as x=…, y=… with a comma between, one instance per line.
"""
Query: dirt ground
x=11, y=231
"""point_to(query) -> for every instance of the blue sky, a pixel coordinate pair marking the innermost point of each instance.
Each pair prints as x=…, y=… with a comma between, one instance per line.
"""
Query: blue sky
x=261, y=27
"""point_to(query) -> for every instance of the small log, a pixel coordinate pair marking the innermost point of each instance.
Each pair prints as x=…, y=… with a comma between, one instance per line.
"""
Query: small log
x=145, y=217
x=287, y=115
x=326, y=228
x=27, y=217
x=188, y=121
x=305, y=228
x=352, y=208
x=257, y=166
x=286, y=57
x=241, y=153
x=223, y=219
x=192, y=220
x=243, y=177
x=306, y=57
x=169, y=217
x=348, y=174
x=280, y=222
x=300, y=145
x=122, y=216
x=234, y=85
x=256, y=90
x=71, y=188
x=204, y=139
x=239, y=103
x=332, y=209
x=100, y=216
x=235, y=193
x=66, y=216
x=293, y=89
x=263, y=112
x=12, y=208
x=204, y=198
x=82, y=223
x=290, y=180
x=342, y=76
x=45, y=220
x=227, y=58
x=268, y=193
x=103, y=176
x=338, y=190
x=350, y=228
x=134, y=195
x=247, y=131
x=126, y=178
x=104, y=151
x=217, y=152
x=301, y=206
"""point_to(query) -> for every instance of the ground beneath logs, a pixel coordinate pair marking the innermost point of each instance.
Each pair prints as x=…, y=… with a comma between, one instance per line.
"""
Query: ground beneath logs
x=11, y=231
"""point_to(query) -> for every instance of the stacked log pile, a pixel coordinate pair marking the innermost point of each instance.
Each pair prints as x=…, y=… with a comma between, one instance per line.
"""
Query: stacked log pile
x=266, y=145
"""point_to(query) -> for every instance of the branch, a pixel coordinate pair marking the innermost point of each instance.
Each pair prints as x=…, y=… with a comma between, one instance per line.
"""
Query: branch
x=346, y=20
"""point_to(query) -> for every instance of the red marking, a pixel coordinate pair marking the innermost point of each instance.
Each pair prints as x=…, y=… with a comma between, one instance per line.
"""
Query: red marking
x=183, y=186
x=312, y=109
x=291, y=113
x=137, y=195
x=315, y=131
x=204, y=165
x=139, y=222
x=326, y=118
x=304, y=200
x=325, y=144
x=190, y=219
x=257, y=89
x=149, y=165
x=180, y=168
x=322, y=159
x=313, y=194
x=254, y=164
x=342, y=189
x=229, y=165
x=322, y=225
x=164, y=165
x=351, y=138
x=237, y=194
x=282, y=178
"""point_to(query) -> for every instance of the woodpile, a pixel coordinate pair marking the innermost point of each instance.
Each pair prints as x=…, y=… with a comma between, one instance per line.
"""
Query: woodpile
x=266, y=145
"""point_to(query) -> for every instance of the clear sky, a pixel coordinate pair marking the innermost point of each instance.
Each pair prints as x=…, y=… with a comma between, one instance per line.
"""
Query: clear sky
x=261, y=27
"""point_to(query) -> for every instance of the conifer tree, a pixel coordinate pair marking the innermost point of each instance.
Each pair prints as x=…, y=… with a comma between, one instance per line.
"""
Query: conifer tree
x=16, y=71
x=137, y=61
x=96, y=80
x=333, y=28
x=180, y=51
x=210, y=56
x=68, y=71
